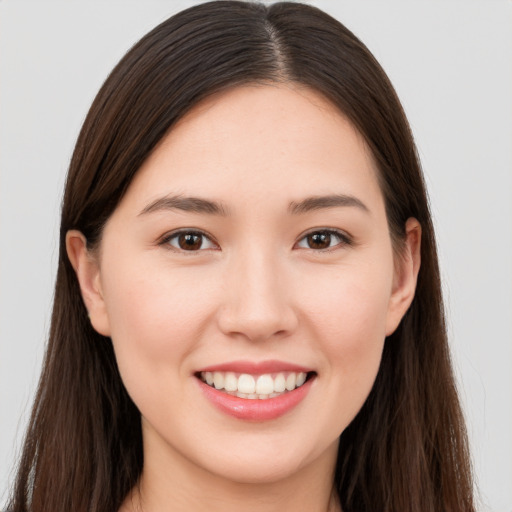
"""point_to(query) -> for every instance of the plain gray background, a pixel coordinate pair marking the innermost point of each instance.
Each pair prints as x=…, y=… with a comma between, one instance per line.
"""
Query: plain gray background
x=451, y=63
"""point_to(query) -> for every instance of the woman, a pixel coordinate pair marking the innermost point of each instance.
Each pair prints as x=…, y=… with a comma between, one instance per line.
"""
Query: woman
x=247, y=311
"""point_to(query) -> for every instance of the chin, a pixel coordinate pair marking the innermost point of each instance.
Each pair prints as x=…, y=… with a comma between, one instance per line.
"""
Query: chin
x=266, y=461
x=263, y=471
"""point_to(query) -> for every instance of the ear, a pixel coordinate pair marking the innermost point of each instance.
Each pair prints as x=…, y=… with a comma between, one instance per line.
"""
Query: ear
x=87, y=271
x=405, y=277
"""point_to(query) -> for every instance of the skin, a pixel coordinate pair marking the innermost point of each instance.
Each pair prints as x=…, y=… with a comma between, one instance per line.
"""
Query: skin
x=256, y=290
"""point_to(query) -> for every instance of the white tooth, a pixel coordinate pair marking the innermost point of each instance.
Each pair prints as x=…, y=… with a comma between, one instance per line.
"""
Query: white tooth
x=252, y=396
x=291, y=381
x=273, y=395
x=218, y=380
x=241, y=395
x=208, y=377
x=246, y=384
x=263, y=396
x=279, y=383
x=264, y=385
x=230, y=382
x=301, y=378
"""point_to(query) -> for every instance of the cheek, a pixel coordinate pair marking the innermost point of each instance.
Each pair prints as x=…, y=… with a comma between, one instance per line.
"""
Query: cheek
x=354, y=332
x=350, y=305
x=155, y=319
x=162, y=304
x=349, y=317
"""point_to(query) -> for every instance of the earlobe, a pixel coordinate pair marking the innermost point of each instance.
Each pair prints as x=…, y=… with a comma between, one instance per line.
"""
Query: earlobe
x=87, y=271
x=406, y=276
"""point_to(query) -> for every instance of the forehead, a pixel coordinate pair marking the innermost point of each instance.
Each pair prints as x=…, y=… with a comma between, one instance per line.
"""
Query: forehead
x=259, y=142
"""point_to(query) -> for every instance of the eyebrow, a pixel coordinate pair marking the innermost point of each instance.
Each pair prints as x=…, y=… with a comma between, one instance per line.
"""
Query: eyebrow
x=331, y=201
x=206, y=206
x=187, y=204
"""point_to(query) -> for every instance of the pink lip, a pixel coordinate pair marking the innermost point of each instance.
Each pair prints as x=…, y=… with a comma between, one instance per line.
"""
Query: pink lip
x=255, y=409
x=256, y=368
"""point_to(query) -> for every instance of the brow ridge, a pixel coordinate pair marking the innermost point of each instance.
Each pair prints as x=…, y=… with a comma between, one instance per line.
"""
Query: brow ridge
x=206, y=206
x=329, y=201
x=188, y=204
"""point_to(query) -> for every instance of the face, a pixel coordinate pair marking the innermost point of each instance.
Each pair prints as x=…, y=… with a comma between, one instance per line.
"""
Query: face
x=250, y=251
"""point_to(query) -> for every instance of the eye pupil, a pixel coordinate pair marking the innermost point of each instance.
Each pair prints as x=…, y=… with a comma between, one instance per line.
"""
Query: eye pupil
x=319, y=240
x=190, y=241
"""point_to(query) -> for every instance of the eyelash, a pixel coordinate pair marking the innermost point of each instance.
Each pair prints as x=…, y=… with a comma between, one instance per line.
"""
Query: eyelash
x=344, y=239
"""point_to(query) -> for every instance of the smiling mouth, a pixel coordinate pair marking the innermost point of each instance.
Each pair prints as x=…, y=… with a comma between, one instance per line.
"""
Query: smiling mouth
x=262, y=387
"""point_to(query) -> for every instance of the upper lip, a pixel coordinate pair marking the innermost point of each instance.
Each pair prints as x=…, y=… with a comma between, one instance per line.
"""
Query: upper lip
x=256, y=367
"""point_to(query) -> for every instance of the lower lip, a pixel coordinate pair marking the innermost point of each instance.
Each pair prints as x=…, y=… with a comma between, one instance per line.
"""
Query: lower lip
x=256, y=409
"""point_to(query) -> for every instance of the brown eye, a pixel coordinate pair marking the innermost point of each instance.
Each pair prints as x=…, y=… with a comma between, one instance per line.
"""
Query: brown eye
x=189, y=241
x=320, y=240
x=323, y=239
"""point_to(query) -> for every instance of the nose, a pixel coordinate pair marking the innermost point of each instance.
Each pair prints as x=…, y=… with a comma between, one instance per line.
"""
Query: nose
x=257, y=301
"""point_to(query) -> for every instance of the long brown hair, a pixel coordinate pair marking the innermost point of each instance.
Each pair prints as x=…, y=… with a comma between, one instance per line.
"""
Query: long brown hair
x=406, y=450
